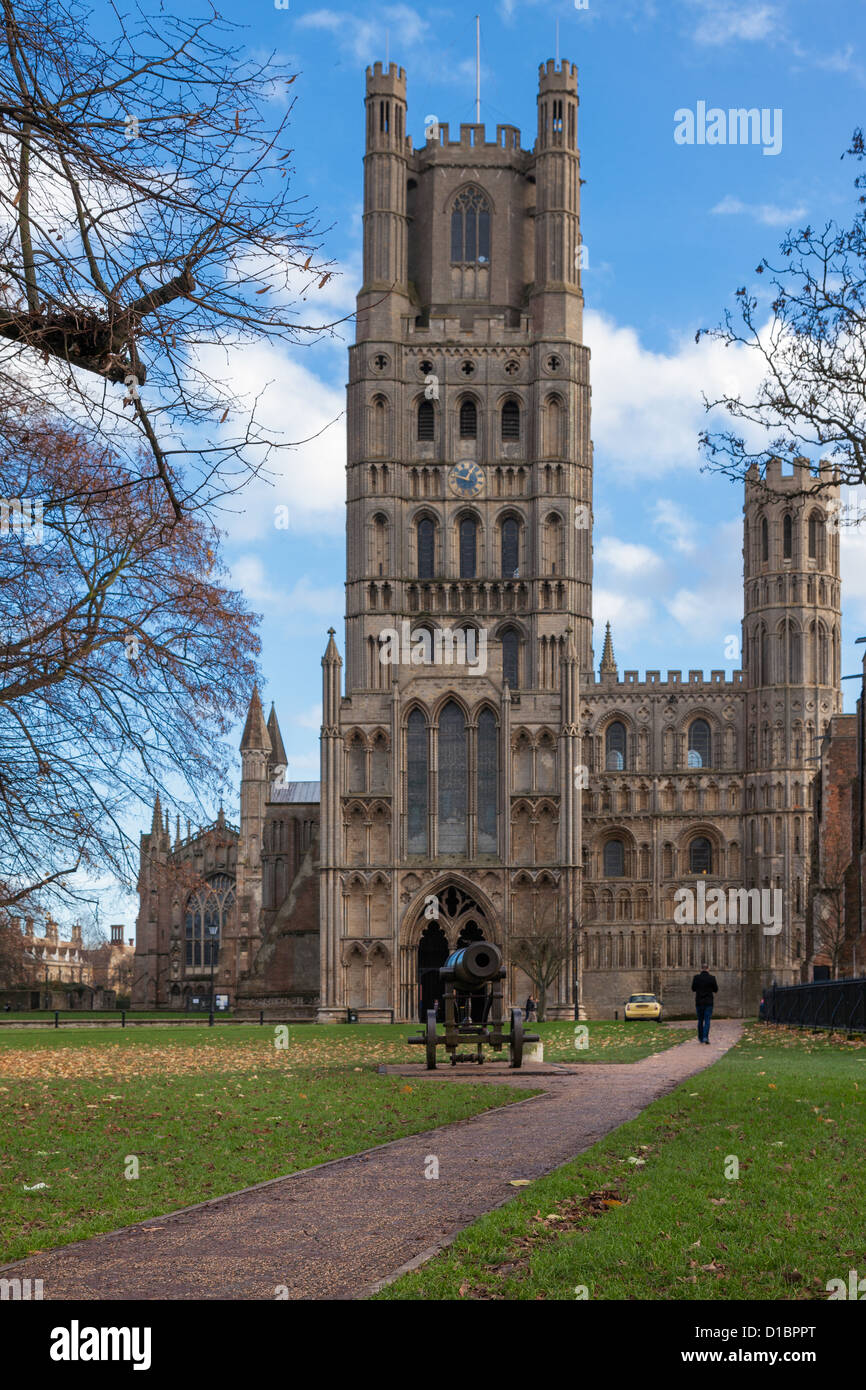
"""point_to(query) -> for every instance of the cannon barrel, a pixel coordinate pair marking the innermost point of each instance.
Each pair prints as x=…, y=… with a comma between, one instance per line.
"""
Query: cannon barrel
x=473, y=966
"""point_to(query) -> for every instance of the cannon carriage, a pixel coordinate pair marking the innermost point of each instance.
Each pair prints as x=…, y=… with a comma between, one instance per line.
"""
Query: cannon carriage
x=471, y=981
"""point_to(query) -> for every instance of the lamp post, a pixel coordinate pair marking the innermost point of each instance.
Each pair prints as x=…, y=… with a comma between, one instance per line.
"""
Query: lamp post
x=212, y=933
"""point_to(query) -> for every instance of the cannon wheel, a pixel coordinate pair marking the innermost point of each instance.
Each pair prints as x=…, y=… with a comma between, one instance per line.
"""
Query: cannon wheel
x=431, y=1039
x=515, y=1040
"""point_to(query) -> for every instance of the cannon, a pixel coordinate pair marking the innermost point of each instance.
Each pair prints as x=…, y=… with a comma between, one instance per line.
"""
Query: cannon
x=473, y=975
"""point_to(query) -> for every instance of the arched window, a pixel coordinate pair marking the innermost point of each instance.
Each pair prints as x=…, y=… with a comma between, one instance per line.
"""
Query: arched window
x=452, y=780
x=511, y=420
x=615, y=747
x=614, y=859
x=426, y=420
x=426, y=548
x=416, y=782
x=488, y=782
x=787, y=537
x=816, y=537
x=700, y=856
x=511, y=657
x=207, y=912
x=765, y=540
x=468, y=547
x=379, y=545
x=468, y=420
x=510, y=548
x=470, y=228
x=700, y=744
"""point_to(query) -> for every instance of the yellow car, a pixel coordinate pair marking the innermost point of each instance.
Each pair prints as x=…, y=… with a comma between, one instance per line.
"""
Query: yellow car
x=642, y=1006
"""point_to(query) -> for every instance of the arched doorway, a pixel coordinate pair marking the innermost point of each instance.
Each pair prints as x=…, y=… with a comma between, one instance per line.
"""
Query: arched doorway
x=454, y=919
x=432, y=952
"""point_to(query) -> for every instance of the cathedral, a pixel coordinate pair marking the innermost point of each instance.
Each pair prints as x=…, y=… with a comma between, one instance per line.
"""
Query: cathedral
x=480, y=777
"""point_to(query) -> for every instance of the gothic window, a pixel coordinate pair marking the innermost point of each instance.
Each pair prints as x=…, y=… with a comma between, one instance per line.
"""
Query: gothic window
x=552, y=544
x=765, y=540
x=787, y=537
x=700, y=744
x=510, y=548
x=416, y=782
x=511, y=657
x=379, y=427
x=470, y=228
x=488, y=782
x=426, y=548
x=452, y=780
x=554, y=427
x=468, y=547
x=700, y=856
x=615, y=747
x=357, y=778
x=379, y=545
x=468, y=420
x=614, y=859
x=207, y=912
x=816, y=538
x=511, y=420
x=426, y=420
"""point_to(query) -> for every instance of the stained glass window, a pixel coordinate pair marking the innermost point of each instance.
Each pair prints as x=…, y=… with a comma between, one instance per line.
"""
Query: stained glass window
x=416, y=762
x=488, y=781
x=207, y=911
x=452, y=780
x=470, y=228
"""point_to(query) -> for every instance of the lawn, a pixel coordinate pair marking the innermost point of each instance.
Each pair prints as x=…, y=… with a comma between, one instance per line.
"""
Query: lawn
x=205, y=1111
x=194, y=1112
x=655, y=1210
x=342, y=1044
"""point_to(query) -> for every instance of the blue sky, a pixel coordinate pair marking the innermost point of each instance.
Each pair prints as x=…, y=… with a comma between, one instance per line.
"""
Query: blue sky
x=671, y=230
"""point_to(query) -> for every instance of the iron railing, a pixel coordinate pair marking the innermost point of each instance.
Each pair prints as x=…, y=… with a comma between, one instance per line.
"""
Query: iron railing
x=837, y=1004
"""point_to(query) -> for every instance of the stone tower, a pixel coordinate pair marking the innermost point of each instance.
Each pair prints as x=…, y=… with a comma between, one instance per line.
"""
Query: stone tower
x=791, y=650
x=449, y=807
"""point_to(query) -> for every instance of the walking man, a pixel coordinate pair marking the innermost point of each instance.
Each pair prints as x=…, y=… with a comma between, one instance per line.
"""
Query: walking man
x=704, y=987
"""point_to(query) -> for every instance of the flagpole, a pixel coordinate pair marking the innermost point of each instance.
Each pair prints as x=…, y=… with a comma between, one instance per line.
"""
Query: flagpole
x=477, y=69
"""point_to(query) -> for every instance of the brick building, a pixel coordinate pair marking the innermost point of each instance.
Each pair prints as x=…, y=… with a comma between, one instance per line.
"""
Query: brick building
x=478, y=774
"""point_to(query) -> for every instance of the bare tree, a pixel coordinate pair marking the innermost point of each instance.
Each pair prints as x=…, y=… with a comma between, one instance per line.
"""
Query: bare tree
x=542, y=946
x=13, y=965
x=811, y=401
x=124, y=659
x=829, y=924
x=145, y=221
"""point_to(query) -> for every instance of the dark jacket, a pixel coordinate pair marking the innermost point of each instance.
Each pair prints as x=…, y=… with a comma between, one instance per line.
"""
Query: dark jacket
x=704, y=986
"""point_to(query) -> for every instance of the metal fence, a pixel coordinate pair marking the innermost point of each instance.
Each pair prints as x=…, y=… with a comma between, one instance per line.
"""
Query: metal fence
x=839, y=1004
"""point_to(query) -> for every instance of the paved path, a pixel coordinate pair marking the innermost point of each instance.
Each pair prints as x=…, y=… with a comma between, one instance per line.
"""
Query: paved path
x=336, y=1230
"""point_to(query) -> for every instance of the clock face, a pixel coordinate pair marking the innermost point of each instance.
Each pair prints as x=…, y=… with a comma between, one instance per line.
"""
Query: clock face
x=466, y=480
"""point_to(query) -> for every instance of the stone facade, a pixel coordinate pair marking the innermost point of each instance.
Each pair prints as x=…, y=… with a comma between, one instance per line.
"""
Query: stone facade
x=478, y=776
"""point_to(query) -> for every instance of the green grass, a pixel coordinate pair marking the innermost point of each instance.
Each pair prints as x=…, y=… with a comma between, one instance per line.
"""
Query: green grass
x=195, y=1135
x=46, y=1016
x=342, y=1044
x=787, y=1105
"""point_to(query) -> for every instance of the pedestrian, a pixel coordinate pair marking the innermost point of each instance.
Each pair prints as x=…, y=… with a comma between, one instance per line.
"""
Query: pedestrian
x=531, y=1010
x=704, y=986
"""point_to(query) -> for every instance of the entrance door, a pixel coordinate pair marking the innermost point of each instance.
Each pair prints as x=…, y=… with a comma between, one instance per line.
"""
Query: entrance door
x=432, y=952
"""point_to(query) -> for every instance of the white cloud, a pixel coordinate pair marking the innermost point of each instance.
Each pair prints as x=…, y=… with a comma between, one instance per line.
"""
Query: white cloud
x=647, y=407
x=626, y=558
x=628, y=615
x=363, y=37
x=679, y=528
x=731, y=23
x=770, y=214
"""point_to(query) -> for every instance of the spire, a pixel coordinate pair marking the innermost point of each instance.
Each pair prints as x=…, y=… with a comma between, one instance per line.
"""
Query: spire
x=255, y=735
x=176, y=836
x=331, y=653
x=278, y=752
x=608, y=660
x=156, y=822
